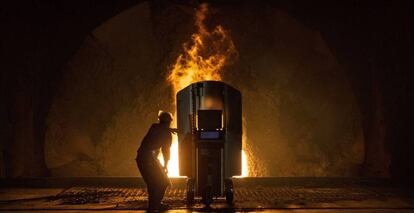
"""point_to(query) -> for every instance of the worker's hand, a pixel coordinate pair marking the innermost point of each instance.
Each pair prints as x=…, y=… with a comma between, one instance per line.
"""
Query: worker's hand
x=174, y=130
x=166, y=169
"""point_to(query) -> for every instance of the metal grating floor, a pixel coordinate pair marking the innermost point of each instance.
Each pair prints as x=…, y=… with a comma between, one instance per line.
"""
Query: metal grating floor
x=265, y=196
x=250, y=194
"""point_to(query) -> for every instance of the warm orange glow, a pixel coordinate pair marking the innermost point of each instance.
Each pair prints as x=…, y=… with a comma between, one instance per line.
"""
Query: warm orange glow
x=245, y=166
x=202, y=59
x=173, y=169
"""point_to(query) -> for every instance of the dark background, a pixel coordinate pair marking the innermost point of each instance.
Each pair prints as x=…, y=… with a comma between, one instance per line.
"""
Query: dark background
x=371, y=40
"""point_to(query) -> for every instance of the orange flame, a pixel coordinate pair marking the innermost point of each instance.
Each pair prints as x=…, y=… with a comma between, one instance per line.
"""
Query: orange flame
x=203, y=59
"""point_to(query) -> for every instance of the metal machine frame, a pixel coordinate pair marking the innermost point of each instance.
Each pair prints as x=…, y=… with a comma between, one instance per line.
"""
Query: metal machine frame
x=209, y=119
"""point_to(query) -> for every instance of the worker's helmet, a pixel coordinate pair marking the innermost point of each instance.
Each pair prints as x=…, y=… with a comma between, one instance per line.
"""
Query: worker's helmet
x=164, y=117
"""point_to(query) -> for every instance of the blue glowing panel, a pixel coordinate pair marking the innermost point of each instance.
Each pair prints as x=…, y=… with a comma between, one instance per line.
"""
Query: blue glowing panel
x=209, y=135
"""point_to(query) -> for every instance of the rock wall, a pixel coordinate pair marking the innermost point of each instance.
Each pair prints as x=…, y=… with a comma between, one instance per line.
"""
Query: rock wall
x=299, y=110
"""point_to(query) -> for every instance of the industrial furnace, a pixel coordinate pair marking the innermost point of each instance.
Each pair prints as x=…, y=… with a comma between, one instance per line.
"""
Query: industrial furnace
x=209, y=120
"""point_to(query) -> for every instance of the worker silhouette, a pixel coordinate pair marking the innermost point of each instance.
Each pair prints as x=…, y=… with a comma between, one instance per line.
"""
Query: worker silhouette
x=155, y=175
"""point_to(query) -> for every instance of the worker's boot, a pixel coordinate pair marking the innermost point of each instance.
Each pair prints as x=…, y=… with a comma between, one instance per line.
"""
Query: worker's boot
x=164, y=207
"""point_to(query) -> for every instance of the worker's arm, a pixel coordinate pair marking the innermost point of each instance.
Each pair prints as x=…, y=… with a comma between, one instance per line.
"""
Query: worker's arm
x=166, y=150
x=175, y=130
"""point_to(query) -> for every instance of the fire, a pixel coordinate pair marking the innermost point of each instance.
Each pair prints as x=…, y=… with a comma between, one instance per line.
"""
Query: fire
x=245, y=165
x=202, y=59
x=205, y=57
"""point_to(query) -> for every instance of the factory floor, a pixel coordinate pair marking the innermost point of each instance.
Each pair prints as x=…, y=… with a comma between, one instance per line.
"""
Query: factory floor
x=298, y=195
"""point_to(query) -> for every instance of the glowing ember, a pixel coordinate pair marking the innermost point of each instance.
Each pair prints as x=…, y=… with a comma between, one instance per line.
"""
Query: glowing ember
x=203, y=59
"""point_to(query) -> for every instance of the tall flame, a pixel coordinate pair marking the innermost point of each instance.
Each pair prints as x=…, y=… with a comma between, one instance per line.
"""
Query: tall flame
x=202, y=59
x=205, y=57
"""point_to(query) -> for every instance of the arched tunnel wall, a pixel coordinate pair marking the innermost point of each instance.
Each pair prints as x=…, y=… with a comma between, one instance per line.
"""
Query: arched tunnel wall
x=300, y=112
x=374, y=59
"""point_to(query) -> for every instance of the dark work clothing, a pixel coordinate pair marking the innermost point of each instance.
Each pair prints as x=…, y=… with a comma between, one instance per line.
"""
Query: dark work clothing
x=152, y=171
x=158, y=137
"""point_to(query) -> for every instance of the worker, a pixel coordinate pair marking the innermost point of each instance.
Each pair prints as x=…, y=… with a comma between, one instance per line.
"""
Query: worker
x=159, y=136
